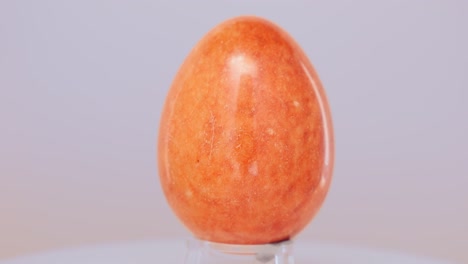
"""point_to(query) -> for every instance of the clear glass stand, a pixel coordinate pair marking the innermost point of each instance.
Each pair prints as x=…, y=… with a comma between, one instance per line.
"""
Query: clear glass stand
x=205, y=252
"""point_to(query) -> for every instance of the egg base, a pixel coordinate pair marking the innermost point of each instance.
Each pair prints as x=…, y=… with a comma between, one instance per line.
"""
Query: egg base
x=206, y=252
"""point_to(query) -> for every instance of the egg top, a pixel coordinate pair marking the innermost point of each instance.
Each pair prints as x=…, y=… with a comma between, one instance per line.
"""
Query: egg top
x=245, y=141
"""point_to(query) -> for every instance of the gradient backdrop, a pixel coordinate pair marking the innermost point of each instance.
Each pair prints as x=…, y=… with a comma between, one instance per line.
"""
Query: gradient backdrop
x=82, y=85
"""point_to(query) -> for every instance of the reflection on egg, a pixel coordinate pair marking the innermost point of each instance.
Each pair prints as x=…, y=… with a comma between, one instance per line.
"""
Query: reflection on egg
x=245, y=141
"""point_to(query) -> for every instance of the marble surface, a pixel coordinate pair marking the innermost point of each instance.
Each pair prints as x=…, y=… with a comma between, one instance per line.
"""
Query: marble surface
x=173, y=251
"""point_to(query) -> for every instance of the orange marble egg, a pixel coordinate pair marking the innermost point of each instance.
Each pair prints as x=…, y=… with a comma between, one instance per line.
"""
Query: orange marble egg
x=245, y=146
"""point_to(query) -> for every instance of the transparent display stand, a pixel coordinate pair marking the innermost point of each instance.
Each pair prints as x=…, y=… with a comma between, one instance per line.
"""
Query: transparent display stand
x=205, y=252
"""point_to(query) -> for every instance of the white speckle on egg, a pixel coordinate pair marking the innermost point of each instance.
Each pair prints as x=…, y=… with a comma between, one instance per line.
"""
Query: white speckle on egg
x=253, y=168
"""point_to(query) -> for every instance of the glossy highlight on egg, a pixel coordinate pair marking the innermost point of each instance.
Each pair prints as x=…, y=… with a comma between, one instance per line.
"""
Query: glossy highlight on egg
x=245, y=147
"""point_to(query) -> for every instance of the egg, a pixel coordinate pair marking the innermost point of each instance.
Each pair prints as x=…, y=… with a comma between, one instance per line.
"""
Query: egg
x=245, y=146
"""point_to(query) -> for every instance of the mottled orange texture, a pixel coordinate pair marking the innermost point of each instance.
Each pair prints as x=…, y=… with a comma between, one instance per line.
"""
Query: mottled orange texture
x=245, y=140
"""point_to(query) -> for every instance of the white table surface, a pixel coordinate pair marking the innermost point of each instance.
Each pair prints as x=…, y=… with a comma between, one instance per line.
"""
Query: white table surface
x=173, y=251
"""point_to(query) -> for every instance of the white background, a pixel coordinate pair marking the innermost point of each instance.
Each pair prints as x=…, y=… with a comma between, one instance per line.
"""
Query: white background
x=82, y=85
